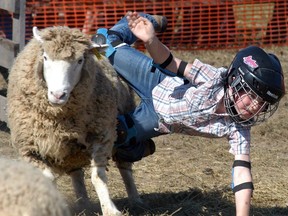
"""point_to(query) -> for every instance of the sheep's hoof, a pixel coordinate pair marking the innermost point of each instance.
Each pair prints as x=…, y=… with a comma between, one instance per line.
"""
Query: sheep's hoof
x=113, y=212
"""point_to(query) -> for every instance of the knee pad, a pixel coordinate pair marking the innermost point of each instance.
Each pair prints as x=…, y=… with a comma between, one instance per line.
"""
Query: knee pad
x=101, y=38
x=125, y=130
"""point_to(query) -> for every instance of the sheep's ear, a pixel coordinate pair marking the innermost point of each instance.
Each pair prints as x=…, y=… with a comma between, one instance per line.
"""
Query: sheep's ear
x=98, y=49
x=36, y=34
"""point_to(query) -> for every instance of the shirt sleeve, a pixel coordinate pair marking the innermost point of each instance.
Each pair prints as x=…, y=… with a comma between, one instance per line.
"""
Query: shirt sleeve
x=239, y=140
x=200, y=73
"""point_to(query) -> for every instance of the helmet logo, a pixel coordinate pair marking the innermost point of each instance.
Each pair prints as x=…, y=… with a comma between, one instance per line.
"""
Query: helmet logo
x=250, y=62
x=272, y=95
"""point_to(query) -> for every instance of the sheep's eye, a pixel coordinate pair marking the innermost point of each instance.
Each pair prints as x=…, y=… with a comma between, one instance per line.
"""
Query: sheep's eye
x=45, y=58
x=80, y=61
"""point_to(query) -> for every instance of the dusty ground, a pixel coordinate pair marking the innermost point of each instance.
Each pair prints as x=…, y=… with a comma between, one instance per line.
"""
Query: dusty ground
x=191, y=175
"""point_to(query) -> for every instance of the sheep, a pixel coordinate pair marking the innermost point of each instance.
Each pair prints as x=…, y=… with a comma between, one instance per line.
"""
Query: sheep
x=62, y=107
x=24, y=190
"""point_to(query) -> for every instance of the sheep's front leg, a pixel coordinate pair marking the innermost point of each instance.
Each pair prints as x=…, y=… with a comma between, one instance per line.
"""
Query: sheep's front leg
x=99, y=180
x=36, y=160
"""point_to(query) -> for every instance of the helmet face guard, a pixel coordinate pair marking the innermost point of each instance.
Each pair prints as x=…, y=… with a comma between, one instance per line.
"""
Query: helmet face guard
x=253, y=112
x=255, y=86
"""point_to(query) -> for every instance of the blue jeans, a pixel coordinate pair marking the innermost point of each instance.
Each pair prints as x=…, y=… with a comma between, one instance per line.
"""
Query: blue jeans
x=135, y=68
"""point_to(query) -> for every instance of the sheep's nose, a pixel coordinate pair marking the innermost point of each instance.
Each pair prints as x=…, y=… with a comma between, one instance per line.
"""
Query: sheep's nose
x=59, y=94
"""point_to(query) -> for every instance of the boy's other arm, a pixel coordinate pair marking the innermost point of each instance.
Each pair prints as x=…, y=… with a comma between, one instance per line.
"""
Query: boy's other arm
x=242, y=197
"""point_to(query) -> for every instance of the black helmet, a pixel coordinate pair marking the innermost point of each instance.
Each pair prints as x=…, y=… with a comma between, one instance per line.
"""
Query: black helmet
x=259, y=75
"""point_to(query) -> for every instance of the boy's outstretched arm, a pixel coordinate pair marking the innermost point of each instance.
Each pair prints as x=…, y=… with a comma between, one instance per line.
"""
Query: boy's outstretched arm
x=242, y=176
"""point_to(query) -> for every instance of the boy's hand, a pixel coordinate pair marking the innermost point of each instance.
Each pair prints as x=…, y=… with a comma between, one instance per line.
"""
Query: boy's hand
x=141, y=27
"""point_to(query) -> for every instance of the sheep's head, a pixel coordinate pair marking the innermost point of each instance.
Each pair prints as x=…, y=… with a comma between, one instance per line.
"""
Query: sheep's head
x=64, y=52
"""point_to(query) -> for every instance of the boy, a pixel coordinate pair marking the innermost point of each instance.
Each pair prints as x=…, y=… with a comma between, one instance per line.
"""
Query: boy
x=191, y=98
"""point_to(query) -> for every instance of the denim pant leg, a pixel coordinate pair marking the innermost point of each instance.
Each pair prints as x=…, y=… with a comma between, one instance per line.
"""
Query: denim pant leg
x=135, y=68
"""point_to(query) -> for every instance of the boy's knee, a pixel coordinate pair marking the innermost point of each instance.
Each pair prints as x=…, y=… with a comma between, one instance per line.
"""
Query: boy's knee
x=125, y=129
x=109, y=39
x=126, y=147
x=133, y=151
x=101, y=38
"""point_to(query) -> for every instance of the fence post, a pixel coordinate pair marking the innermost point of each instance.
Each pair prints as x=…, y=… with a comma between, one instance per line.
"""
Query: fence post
x=10, y=48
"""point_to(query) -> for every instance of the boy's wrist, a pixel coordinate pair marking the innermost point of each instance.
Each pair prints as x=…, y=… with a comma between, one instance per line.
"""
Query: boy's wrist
x=150, y=41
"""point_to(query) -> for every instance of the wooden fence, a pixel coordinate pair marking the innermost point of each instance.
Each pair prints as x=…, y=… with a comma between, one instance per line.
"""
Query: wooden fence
x=9, y=48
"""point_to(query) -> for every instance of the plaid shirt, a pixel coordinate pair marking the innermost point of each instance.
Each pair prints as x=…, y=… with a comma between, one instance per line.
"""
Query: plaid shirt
x=190, y=108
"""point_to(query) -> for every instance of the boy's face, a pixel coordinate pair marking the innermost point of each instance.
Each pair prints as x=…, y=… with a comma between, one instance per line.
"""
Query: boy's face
x=243, y=105
x=247, y=104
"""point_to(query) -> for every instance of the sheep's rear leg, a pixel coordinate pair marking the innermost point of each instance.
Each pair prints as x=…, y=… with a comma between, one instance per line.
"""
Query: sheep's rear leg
x=77, y=178
x=125, y=169
x=99, y=180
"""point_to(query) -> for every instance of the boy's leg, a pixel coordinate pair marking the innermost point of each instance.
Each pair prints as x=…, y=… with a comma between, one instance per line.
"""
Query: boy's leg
x=136, y=128
x=135, y=131
x=134, y=66
x=143, y=120
x=129, y=147
x=120, y=32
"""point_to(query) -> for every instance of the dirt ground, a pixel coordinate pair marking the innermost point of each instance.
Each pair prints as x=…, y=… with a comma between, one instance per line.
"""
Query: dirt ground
x=191, y=175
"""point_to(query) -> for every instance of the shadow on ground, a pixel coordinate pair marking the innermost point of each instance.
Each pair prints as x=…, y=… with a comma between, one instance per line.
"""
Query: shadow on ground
x=185, y=203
